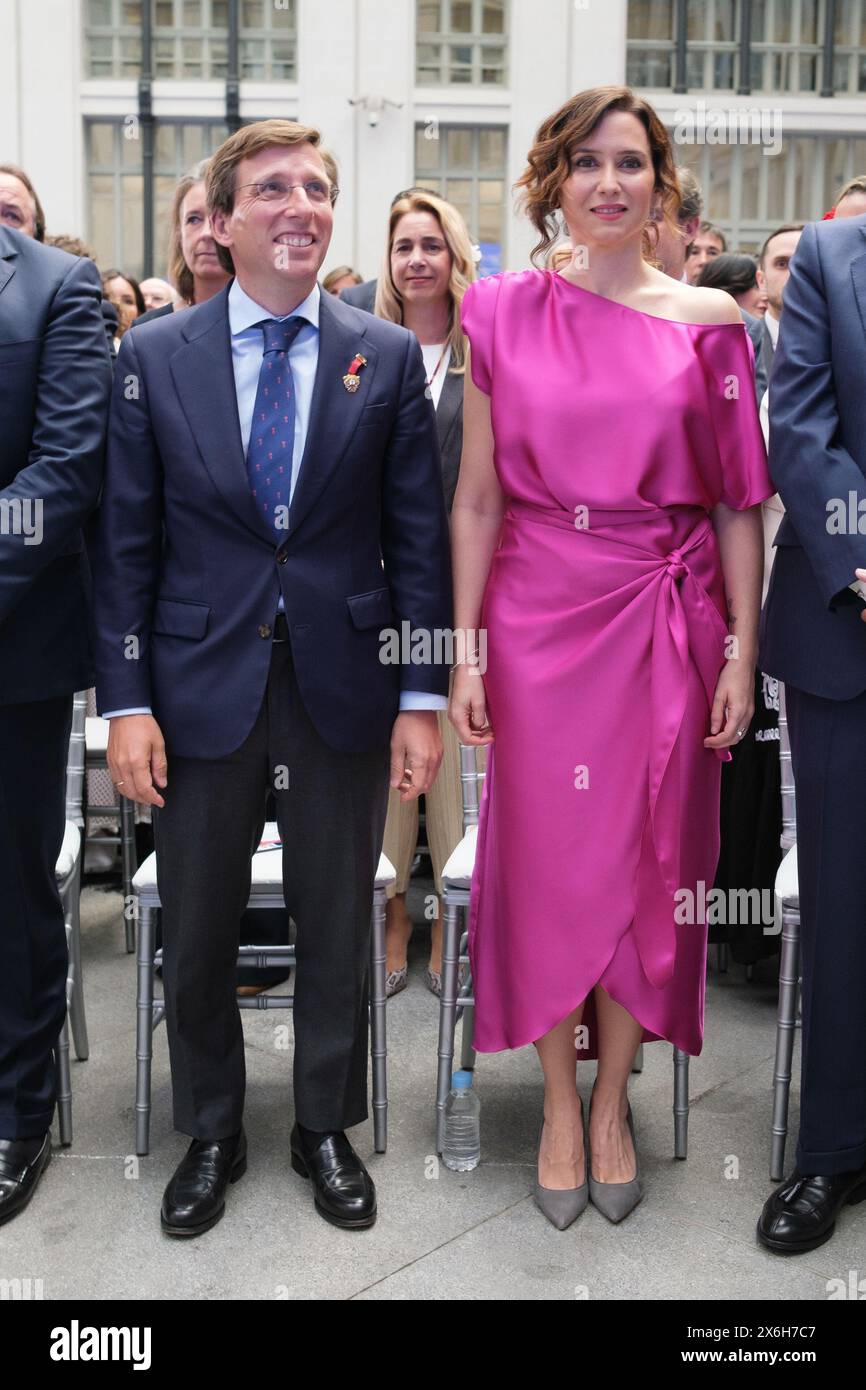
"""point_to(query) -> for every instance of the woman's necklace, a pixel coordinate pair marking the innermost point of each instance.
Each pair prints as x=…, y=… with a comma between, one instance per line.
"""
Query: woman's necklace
x=429, y=383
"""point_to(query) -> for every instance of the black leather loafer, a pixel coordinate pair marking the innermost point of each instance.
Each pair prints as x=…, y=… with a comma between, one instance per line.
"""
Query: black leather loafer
x=344, y=1191
x=801, y=1214
x=195, y=1199
x=22, y=1163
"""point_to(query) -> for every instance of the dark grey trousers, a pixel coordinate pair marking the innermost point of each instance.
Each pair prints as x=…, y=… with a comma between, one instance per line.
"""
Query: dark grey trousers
x=331, y=809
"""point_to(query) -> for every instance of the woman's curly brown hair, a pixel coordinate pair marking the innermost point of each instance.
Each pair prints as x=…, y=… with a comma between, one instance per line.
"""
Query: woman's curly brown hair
x=549, y=162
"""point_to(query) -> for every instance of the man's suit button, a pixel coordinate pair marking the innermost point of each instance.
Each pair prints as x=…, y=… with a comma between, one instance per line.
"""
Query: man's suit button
x=264, y=630
x=282, y=557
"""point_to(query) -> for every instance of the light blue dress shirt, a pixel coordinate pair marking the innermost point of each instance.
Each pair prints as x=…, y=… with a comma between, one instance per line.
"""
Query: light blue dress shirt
x=247, y=352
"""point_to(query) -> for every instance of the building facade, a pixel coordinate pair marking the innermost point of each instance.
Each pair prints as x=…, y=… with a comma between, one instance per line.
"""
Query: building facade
x=106, y=102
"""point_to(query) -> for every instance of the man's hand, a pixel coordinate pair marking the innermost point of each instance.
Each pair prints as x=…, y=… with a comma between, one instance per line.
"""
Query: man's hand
x=861, y=575
x=416, y=752
x=136, y=758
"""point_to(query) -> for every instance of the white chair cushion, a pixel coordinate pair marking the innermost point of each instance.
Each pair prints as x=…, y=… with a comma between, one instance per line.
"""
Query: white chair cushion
x=458, y=869
x=96, y=736
x=787, y=881
x=69, y=852
x=267, y=864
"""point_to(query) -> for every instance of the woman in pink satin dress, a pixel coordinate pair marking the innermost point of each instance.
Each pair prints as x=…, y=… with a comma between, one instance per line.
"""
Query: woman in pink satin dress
x=607, y=540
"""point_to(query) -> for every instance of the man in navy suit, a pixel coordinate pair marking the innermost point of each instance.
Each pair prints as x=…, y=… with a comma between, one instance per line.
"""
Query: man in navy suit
x=273, y=501
x=55, y=379
x=813, y=639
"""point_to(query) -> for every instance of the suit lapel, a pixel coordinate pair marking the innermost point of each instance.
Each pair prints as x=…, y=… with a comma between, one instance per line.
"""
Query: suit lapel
x=205, y=383
x=8, y=253
x=858, y=275
x=334, y=411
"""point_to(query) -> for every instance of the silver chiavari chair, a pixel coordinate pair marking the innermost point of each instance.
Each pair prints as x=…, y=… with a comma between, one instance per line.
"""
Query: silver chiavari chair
x=266, y=890
x=460, y=1002
x=787, y=911
x=67, y=873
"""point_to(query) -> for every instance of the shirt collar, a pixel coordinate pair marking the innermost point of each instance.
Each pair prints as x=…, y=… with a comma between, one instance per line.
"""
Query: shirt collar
x=772, y=327
x=244, y=312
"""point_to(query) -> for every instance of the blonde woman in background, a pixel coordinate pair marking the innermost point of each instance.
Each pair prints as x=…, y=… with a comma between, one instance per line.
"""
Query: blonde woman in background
x=429, y=261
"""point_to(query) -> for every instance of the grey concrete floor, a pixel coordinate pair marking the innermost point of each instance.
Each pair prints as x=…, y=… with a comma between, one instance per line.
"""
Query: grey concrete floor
x=92, y=1229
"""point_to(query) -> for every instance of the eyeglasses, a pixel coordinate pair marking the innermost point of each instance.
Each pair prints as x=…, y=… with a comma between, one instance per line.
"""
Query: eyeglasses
x=278, y=190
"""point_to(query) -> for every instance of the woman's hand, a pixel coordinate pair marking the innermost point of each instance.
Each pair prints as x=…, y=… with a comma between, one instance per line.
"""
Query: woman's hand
x=733, y=706
x=467, y=709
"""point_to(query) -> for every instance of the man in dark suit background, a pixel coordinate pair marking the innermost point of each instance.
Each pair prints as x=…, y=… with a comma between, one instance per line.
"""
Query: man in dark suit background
x=54, y=385
x=814, y=641
x=273, y=500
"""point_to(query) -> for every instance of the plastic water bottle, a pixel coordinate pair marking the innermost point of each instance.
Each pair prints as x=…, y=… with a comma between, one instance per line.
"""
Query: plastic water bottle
x=461, y=1149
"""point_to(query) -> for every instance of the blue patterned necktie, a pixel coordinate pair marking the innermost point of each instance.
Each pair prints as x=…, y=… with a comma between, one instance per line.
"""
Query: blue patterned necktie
x=272, y=432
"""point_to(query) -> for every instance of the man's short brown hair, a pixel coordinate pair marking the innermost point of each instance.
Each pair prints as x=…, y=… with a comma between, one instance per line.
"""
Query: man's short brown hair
x=220, y=182
x=38, y=213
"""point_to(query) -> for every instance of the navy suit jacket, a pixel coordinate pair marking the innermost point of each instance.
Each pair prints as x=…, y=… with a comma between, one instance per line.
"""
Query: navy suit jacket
x=188, y=577
x=55, y=379
x=811, y=634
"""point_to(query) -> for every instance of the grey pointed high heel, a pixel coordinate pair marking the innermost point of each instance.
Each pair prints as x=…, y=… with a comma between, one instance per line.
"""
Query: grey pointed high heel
x=561, y=1206
x=615, y=1199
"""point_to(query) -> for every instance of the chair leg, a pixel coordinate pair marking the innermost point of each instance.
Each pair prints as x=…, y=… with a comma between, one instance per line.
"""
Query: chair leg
x=77, y=1017
x=466, y=1015
x=378, y=1024
x=64, y=1085
x=786, y=1022
x=447, y=1012
x=681, y=1103
x=637, y=1064
x=127, y=850
x=144, y=1025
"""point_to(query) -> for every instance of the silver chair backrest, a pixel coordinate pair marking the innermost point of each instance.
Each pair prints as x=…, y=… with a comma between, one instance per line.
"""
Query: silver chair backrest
x=789, y=807
x=75, y=761
x=470, y=785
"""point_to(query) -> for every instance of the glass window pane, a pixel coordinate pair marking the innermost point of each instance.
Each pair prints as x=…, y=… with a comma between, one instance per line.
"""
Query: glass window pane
x=101, y=144
x=132, y=228
x=427, y=17
x=750, y=174
x=282, y=19
x=252, y=15
x=130, y=144
x=490, y=191
x=461, y=17
x=99, y=12
x=192, y=13
x=724, y=29
x=219, y=14
x=782, y=25
x=651, y=19
x=426, y=149
x=459, y=192
x=163, y=195
x=489, y=223
x=192, y=139
x=100, y=221
x=165, y=145
x=493, y=19
x=698, y=20
x=717, y=194
x=459, y=149
x=164, y=13
x=491, y=149
x=132, y=12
